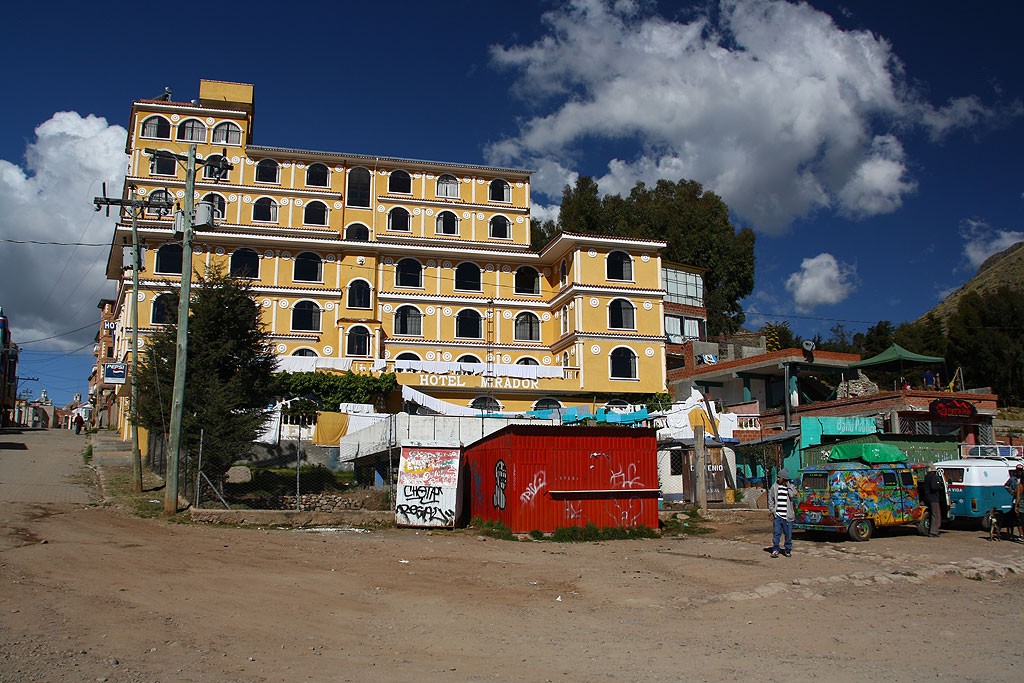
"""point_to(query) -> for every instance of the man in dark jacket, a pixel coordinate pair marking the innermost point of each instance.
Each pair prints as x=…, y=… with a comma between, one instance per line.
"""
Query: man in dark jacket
x=934, y=492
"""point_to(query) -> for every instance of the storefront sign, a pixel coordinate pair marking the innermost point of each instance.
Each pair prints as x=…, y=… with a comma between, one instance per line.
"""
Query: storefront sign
x=952, y=407
x=115, y=373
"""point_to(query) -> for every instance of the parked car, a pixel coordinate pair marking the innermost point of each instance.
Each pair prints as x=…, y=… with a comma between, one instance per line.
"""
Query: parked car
x=976, y=487
x=861, y=488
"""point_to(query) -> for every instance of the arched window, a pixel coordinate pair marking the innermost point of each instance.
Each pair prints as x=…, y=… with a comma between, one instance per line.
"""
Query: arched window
x=192, y=130
x=398, y=219
x=527, y=281
x=468, y=358
x=621, y=315
x=619, y=266
x=408, y=273
x=500, y=228
x=308, y=268
x=623, y=363
x=359, y=294
x=245, y=263
x=565, y=359
x=399, y=182
x=211, y=167
x=317, y=175
x=527, y=360
x=162, y=165
x=168, y=259
x=358, y=187
x=306, y=317
x=268, y=171
x=448, y=186
x=563, y=273
x=408, y=321
x=264, y=210
x=164, y=312
x=527, y=327
x=227, y=133
x=407, y=355
x=468, y=324
x=218, y=203
x=486, y=404
x=305, y=353
x=162, y=198
x=156, y=127
x=358, y=342
x=314, y=213
x=357, y=232
x=500, y=191
x=547, y=404
x=467, y=277
x=565, y=320
x=447, y=223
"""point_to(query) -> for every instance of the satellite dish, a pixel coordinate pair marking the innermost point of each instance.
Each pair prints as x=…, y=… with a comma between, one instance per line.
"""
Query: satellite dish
x=808, y=345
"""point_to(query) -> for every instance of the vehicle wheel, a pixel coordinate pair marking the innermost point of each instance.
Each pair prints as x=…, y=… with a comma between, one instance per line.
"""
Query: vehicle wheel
x=924, y=525
x=987, y=522
x=861, y=529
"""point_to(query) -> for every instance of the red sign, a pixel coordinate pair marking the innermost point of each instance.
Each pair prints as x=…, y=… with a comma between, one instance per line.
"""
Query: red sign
x=952, y=407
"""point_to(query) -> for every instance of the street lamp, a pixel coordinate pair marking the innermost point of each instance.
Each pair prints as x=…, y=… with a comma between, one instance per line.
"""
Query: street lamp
x=220, y=168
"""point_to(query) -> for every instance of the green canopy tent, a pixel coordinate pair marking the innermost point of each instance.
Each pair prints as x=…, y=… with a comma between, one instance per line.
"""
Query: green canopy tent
x=896, y=356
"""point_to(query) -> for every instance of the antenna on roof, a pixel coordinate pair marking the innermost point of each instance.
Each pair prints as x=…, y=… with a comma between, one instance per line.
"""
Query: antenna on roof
x=166, y=96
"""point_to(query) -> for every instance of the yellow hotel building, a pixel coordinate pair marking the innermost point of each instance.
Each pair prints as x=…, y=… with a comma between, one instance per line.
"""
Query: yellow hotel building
x=375, y=263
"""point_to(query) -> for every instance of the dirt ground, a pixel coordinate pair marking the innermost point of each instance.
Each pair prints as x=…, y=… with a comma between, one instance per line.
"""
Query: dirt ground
x=89, y=593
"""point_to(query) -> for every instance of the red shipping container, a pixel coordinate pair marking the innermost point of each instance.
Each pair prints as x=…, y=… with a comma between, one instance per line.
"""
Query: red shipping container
x=546, y=477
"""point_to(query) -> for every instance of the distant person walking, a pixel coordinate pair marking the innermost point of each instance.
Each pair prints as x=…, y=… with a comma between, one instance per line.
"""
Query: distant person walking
x=934, y=492
x=78, y=424
x=782, y=503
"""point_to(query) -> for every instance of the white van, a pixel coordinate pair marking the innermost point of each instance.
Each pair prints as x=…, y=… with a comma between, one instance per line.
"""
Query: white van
x=976, y=486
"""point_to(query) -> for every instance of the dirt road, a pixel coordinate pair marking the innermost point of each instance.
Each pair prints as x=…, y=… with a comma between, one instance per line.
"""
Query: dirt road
x=90, y=594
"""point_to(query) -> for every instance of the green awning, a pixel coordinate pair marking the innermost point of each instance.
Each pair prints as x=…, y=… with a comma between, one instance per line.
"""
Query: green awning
x=867, y=452
x=896, y=354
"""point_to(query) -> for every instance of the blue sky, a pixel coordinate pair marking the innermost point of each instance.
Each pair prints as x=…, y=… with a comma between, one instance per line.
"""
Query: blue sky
x=874, y=147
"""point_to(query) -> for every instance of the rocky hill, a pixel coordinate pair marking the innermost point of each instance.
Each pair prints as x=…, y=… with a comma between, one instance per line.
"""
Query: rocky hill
x=1005, y=269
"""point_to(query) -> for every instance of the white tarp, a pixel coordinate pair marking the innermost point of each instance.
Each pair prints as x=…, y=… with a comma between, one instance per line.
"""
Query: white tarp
x=436, y=404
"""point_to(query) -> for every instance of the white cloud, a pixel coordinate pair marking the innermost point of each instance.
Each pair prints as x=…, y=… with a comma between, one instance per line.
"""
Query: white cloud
x=765, y=102
x=981, y=240
x=821, y=280
x=53, y=289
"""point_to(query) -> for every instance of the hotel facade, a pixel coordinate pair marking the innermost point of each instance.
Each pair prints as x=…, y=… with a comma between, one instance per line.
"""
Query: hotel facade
x=384, y=264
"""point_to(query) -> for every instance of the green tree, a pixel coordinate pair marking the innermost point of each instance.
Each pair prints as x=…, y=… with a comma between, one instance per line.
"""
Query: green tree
x=229, y=374
x=878, y=338
x=986, y=339
x=331, y=389
x=778, y=335
x=925, y=336
x=692, y=221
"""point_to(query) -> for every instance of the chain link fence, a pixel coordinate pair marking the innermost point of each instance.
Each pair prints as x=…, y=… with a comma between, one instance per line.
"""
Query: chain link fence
x=291, y=475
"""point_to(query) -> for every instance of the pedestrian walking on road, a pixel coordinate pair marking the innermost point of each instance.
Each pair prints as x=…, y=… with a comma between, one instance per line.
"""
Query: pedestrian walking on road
x=782, y=503
x=934, y=492
x=78, y=424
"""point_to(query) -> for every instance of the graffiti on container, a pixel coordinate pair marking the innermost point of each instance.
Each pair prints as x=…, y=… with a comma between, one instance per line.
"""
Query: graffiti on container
x=439, y=467
x=540, y=480
x=573, y=512
x=500, y=479
x=597, y=454
x=422, y=494
x=426, y=514
x=625, y=513
x=626, y=478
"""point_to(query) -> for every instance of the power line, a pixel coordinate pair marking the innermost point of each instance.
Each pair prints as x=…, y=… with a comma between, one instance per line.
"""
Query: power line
x=62, y=334
x=57, y=244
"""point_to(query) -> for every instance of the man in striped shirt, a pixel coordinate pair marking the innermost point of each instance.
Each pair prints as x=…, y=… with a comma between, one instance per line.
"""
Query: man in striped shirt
x=782, y=503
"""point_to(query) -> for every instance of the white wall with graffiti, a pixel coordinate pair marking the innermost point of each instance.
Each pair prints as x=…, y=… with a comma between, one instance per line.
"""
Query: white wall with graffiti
x=428, y=485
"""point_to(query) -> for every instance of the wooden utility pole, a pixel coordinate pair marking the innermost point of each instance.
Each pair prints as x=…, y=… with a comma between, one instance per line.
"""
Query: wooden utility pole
x=701, y=467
